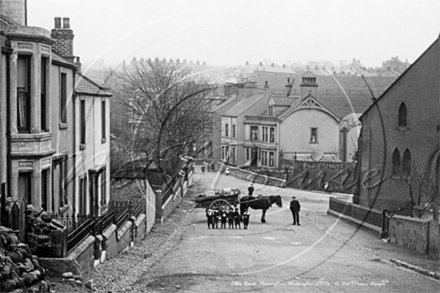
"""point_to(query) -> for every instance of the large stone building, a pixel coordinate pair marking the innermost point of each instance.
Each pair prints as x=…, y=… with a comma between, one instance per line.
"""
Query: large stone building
x=42, y=116
x=400, y=138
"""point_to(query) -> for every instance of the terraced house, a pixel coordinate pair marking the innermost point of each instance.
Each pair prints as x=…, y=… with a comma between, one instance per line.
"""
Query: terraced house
x=304, y=121
x=54, y=129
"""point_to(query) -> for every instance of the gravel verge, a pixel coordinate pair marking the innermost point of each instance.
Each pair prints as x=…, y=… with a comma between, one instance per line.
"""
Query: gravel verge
x=120, y=274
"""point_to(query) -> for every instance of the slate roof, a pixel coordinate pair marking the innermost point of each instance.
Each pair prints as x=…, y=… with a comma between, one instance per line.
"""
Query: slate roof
x=85, y=86
x=218, y=108
x=56, y=58
x=243, y=105
x=284, y=101
x=341, y=106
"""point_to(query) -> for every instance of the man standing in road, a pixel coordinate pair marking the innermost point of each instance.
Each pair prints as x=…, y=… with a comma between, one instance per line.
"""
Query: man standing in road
x=294, y=208
x=251, y=189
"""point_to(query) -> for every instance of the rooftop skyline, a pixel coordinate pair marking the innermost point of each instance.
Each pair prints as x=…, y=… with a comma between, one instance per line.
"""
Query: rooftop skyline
x=231, y=33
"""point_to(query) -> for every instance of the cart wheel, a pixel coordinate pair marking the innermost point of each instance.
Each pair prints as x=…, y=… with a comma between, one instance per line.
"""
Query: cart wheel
x=218, y=203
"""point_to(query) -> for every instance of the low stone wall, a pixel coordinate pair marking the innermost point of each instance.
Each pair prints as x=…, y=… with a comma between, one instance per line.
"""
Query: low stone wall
x=362, y=214
x=80, y=260
x=139, y=228
x=410, y=232
x=124, y=237
x=95, y=250
x=172, y=202
x=254, y=177
x=422, y=235
x=434, y=239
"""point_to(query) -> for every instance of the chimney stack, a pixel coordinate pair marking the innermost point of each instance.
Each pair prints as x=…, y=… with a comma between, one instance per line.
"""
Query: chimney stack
x=78, y=64
x=57, y=22
x=308, y=85
x=64, y=39
x=289, y=87
x=266, y=88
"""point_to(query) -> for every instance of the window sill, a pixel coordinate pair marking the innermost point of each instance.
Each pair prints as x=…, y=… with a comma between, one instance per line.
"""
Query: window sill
x=82, y=146
x=313, y=142
x=64, y=125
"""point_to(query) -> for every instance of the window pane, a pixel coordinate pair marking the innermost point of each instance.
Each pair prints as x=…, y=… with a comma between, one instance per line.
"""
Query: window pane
x=314, y=135
x=103, y=119
x=254, y=132
x=63, y=97
x=83, y=122
x=43, y=110
x=23, y=94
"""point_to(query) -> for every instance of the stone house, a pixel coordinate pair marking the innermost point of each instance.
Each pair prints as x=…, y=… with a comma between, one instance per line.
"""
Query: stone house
x=40, y=105
x=400, y=137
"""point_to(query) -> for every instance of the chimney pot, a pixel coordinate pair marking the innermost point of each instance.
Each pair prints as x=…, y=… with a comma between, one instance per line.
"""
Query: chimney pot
x=57, y=22
x=66, y=22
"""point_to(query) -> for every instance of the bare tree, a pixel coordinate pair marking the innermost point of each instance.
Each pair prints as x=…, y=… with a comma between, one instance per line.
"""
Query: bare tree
x=165, y=111
x=421, y=187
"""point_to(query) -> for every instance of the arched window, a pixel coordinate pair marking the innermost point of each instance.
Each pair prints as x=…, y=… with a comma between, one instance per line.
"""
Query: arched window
x=396, y=162
x=406, y=162
x=403, y=115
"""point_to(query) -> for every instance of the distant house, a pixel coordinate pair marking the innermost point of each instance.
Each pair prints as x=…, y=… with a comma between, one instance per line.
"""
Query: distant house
x=238, y=138
x=401, y=136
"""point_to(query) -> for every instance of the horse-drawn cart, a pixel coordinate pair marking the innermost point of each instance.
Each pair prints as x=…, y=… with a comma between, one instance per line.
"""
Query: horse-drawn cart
x=217, y=198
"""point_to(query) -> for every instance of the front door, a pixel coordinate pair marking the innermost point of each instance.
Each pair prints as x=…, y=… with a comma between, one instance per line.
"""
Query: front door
x=254, y=157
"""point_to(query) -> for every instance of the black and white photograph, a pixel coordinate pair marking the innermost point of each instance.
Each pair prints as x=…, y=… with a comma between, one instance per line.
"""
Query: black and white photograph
x=219, y=146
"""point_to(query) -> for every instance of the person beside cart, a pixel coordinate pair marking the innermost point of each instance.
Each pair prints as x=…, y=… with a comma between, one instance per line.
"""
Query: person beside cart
x=223, y=217
x=210, y=218
x=246, y=217
x=231, y=218
x=237, y=219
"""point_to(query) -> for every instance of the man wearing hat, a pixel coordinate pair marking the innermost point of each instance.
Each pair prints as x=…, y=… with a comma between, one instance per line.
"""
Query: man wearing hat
x=294, y=208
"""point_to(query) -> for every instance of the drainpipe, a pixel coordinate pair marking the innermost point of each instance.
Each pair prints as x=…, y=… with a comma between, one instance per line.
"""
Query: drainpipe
x=8, y=125
x=74, y=96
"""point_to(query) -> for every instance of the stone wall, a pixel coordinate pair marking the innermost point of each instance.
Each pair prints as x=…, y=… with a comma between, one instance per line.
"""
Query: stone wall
x=254, y=177
x=173, y=201
x=410, y=232
x=124, y=237
x=434, y=239
x=150, y=208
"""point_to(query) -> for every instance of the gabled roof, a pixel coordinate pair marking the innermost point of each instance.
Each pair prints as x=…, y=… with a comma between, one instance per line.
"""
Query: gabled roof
x=244, y=104
x=308, y=102
x=219, y=107
x=85, y=86
x=400, y=77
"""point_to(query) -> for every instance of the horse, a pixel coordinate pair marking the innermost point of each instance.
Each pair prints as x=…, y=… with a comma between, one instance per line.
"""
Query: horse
x=260, y=203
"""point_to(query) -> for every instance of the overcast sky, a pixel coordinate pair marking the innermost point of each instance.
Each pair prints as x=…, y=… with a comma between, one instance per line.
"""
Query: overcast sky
x=223, y=32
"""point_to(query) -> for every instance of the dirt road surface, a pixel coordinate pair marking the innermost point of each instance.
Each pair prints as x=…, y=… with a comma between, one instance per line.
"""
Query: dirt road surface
x=324, y=254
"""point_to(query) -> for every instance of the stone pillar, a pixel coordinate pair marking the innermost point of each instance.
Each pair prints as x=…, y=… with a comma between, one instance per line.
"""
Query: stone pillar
x=159, y=211
x=35, y=91
x=13, y=93
x=48, y=93
x=36, y=184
